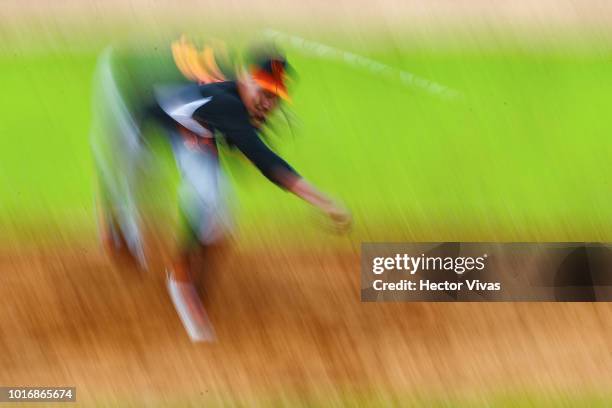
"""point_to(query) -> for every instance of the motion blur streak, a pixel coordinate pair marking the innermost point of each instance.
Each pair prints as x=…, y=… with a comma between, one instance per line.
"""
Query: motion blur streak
x=525, y=158
x=374, y=67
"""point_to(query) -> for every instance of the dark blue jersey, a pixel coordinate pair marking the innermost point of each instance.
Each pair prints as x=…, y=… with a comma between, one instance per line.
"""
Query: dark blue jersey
x=217, y=107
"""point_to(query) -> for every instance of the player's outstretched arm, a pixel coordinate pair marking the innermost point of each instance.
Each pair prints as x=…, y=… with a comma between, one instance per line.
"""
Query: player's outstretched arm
x=335, y=211
x=279, y=172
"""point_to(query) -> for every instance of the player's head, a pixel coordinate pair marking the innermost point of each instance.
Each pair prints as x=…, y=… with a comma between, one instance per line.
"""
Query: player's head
x=268, y=74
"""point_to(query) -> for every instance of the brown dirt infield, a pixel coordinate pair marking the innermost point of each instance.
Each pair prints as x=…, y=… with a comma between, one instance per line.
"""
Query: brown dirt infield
x=288, y=322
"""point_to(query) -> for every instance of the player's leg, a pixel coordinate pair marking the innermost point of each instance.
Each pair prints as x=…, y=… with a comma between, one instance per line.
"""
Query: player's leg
x=117, y=150
x=108, y=227
x=205, y=217
x=204, y=221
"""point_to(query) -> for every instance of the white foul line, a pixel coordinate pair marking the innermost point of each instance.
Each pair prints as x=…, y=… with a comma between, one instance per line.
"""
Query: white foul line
x=325, y=51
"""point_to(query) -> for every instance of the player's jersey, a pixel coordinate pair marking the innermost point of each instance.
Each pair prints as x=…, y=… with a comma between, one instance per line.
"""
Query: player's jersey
x=217, y=107
x=180, y=102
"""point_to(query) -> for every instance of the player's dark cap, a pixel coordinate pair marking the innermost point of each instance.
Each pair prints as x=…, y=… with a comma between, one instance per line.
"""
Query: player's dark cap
x=271, y=73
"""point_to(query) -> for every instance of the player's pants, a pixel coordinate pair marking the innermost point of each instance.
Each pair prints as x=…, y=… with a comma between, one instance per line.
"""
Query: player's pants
x=204, y=188
x=118, y=156
x=122, y=160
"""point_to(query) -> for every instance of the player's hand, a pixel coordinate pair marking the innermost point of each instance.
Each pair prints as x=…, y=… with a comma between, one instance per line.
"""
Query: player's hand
x=336, y=212
x=340, y=216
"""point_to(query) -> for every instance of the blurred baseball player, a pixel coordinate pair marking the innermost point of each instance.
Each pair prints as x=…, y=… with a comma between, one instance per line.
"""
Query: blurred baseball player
x=195, y=114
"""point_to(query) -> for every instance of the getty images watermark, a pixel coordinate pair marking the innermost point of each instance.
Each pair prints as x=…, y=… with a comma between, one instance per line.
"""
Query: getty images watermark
x=414, y=264
x=454, y=271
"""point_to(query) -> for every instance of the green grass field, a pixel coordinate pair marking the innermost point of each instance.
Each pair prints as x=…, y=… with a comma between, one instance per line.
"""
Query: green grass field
x=524, y=157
